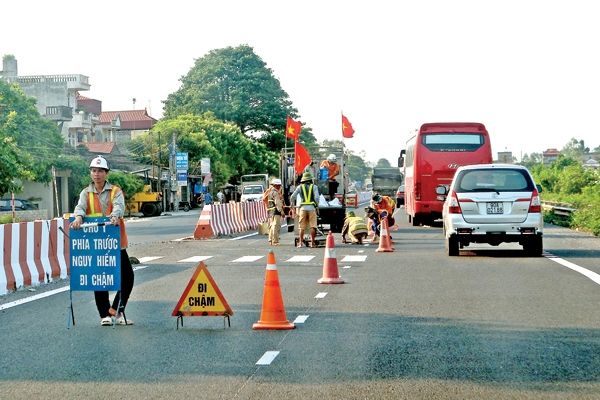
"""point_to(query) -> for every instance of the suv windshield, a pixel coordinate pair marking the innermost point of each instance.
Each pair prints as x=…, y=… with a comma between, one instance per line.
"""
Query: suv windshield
x=499, y=180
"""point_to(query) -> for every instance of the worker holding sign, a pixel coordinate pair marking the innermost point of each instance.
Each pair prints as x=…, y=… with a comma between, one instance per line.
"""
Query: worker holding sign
x=101, y=198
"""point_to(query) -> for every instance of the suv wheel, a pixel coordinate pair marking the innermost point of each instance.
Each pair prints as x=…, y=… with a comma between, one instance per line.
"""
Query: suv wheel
x=533, y=247
x=452, y=246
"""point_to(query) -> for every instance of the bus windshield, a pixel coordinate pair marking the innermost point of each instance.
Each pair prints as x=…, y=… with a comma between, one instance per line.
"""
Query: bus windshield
x=453, y=142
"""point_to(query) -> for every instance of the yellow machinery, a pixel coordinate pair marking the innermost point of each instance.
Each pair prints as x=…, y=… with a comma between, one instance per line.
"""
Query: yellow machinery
x=146, y=202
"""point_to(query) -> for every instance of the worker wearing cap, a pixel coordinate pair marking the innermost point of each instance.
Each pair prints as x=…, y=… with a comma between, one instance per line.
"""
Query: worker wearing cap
x=306, y=199
x=333, y=170
x=384, y=203
x=355, y=227
x=274, y=197
x=101, y=198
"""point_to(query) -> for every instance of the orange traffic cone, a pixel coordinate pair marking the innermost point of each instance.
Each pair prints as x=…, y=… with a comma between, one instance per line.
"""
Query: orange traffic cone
x=330, y=268
x=385, y=244
x=272, y=315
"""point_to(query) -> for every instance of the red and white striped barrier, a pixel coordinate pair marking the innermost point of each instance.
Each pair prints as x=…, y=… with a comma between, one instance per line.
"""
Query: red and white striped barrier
x=229, y=218
x=33, y=253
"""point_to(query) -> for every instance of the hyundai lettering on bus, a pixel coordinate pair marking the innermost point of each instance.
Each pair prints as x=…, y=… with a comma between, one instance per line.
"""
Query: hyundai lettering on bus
x=431, y=157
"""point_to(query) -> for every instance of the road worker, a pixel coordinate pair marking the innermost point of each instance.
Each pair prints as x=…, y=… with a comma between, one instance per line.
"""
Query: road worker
x=101, y=198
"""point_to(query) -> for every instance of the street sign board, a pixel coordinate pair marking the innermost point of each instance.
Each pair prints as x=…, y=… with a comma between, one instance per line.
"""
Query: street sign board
x=181, y=162
x=182, y=178
x=95, y=256
x=205, y=166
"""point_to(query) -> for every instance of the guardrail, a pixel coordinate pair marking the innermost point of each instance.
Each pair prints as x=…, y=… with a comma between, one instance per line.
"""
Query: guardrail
x=562, y=209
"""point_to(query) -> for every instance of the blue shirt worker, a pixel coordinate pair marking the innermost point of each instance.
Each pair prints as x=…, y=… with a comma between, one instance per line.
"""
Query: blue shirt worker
x=101, y=198
x=306, y=199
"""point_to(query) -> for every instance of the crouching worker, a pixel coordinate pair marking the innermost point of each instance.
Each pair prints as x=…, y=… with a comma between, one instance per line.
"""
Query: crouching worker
x=101, y=198
x=355, y=227
x=384, y=203
x=374, y=223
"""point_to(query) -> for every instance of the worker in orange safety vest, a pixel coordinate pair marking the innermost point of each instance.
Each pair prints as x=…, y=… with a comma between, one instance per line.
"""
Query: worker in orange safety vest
x=101, y=198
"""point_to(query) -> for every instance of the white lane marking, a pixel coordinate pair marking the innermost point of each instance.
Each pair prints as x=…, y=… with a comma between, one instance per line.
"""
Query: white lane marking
x=148, y=259
x=195, y=259
x=245, y=236
x=354, y=258
x=321, y=295
x=300, y=259
x=45, y=294
x=585, y=272
x=361, y=251
x=267, y=358
x=248, y=259
x=252, y=234
x=300, y=319
x=347, y=266
x=33, y=298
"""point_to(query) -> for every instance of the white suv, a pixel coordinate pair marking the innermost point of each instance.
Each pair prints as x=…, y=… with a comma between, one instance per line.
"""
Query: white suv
x=492, y=203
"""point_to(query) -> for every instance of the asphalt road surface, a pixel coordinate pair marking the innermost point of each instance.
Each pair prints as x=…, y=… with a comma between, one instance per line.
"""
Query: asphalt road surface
x=410, y=324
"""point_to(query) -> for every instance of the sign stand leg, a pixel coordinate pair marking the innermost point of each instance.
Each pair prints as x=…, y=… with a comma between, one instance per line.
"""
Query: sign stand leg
x=226, y=317
x=117, y=314
x=179, y=317
x=70, y=312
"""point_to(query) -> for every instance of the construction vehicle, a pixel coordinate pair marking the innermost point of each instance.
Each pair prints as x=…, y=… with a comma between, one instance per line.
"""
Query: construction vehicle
x=385, y=180
x=253, y=186
x=147, y=202
x=333, y=211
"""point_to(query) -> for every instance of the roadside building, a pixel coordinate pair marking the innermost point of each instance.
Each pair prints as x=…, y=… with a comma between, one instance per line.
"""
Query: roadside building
x=550, y=155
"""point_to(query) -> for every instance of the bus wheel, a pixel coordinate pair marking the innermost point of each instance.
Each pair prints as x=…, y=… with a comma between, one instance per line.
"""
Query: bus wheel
x=416, y=221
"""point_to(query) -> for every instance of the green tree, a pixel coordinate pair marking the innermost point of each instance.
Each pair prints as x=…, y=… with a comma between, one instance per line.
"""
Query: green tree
x=236, y=86
x=129, y=183
x=383, y=163
x=572, y=179
x=575, y=149
x=231, y=153
x=530, y=160
x=29, y=144
x=358, y=170
x=276, y=140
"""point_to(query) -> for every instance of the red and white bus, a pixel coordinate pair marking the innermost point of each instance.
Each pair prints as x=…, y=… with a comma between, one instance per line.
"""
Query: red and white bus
x=431, y=158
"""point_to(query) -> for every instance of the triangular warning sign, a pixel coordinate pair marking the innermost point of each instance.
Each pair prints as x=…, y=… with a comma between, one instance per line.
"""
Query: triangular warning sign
x=202, y=296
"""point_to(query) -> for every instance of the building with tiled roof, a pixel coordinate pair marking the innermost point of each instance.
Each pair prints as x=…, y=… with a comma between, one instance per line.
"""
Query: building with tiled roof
x=122, y=126
x=550, y=155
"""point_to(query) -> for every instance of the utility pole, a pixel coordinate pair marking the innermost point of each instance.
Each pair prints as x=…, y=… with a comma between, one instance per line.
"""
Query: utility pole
x=173, y=173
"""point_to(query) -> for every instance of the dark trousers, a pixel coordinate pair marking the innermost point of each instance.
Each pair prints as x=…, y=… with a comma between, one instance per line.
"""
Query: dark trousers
x=333, y=185
x=102, y=300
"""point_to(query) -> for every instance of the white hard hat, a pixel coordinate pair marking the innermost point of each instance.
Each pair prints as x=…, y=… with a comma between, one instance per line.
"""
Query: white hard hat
x=331, y=157
x=276, y=181
x=99, y=162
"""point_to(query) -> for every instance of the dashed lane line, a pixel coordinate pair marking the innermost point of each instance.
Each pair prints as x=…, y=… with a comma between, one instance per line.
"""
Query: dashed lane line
x=148, y=259
x=247, y=259
x=360, y=258
x=194, y=259
x=267, y=358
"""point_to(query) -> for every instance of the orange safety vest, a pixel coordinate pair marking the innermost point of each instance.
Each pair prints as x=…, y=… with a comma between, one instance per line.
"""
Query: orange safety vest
x=94, y=209
x=332, y=169
x=387, y=204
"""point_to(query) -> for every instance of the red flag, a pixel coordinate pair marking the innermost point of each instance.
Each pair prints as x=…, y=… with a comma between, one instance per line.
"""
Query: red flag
x=301, y=158
x=293, y=129
x=347, y=130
